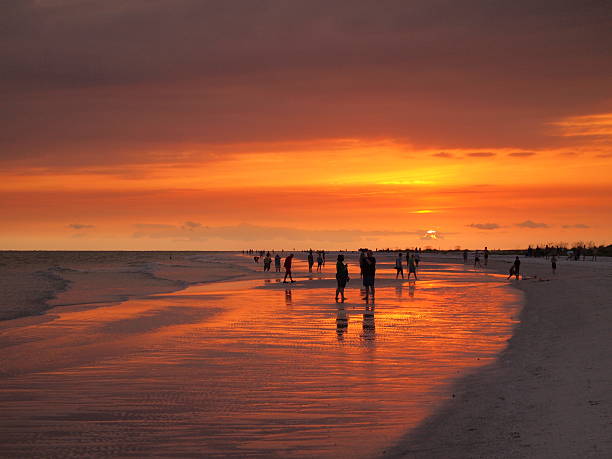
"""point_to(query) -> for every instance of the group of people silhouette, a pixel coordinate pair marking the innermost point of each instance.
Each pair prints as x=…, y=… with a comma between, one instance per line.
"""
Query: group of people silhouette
x=367, y=267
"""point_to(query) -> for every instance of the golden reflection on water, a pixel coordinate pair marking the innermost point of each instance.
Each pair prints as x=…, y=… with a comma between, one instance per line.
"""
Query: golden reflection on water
x=250, y=367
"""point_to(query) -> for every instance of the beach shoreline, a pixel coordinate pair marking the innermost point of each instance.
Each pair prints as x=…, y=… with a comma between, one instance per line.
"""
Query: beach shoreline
x=544, y=396
x=35, y=282
x=547, y=394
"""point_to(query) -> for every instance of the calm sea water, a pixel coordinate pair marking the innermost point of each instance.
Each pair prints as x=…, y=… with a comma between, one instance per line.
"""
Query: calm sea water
x=251, y=368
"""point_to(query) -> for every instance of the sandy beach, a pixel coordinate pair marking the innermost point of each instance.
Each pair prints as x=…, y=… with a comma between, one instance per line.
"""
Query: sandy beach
x=545, y=395
x=548, y=394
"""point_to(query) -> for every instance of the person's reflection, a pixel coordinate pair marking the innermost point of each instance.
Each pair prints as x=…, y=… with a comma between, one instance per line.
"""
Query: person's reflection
x=369, y=327
x=399, y=291
x=341, y=322
x=411, y=289
x=288, y=297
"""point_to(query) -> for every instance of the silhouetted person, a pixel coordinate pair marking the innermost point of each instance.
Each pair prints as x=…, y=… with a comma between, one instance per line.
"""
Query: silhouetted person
x=399, y=266
x=267, y=262
x=319, y=262
x=412, y=267
x=256, y=259
x=288, y=261
x=342, y=276
x=362, y=257
x=369, y=273
x=310, y=261
x=553, y=263
x=465, y=255
x=277, y=263
x=486, y=256
x=515, y=269
x=477, y=261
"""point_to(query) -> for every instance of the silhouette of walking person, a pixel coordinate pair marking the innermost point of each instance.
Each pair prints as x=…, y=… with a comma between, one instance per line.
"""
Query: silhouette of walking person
x=288, y=261
x=515, y=269
x=310, y=261
x=411, y=267
x=477, y=261
x=399, y=266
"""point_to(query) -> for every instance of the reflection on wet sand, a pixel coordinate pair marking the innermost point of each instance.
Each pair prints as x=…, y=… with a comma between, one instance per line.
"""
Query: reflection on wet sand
x=341, y=322
x=288, y=299
x=230, y=369
x=369, y=326
x=411, y=288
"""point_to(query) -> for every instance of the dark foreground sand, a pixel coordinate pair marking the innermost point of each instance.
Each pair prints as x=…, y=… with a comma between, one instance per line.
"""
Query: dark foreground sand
x=549, y=395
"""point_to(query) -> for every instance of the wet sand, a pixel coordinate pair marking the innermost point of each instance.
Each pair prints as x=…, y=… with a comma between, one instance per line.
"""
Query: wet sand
x=243, y=367
x=548, y=394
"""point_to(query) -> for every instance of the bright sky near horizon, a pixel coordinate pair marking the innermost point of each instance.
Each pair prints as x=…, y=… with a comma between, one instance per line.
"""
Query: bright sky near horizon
x=196, y=124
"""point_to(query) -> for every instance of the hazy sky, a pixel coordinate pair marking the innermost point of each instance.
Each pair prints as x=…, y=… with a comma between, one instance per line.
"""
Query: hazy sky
x=194, y=124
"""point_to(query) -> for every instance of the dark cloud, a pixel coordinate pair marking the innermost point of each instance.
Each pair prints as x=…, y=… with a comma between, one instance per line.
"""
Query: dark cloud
x=191, y=226
x=103, y=82
x=443, y=154
x=79, y=226
x=521, y=154
x=531, y=224
x=577, y=225
x=481, y=154
x=484, y=226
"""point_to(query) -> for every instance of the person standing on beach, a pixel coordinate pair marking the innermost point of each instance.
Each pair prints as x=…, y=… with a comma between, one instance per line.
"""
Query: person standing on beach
x=288, y=261
x=486, y=256
x=553, y=263
x=342, y=276
x=477, y=260
x=369, y=273
x=310, y=261
x=465, y=255
x=319, y=261
x=277, y=262
x=516, y=268
x=362, y=257
x=267, y=262
x=399, y=266
x=412, y=267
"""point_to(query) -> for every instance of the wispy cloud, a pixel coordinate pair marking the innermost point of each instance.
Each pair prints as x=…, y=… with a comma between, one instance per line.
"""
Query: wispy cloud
x=80, y=226
x=194, y=231
x=444, y=154
x=531, y=224
x=484, y=226
x=577, y=225
x=481, y=154
x=521, y=154
x=599, y=125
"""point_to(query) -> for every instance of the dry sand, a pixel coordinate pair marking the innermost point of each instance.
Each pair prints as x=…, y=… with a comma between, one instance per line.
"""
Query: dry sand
x=549, y=393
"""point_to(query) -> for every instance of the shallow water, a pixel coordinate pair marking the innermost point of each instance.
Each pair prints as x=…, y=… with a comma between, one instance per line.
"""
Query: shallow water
x=249, y=368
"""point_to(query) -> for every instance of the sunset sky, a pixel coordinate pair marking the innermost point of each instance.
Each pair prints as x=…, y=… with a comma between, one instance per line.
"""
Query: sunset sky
x=231, y=124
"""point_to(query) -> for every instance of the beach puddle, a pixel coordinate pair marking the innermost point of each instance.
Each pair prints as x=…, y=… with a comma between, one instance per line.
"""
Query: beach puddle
x=250, y=368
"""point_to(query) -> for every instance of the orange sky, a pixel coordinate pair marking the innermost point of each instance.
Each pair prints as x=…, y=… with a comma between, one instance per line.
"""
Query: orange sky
x=304, y=124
